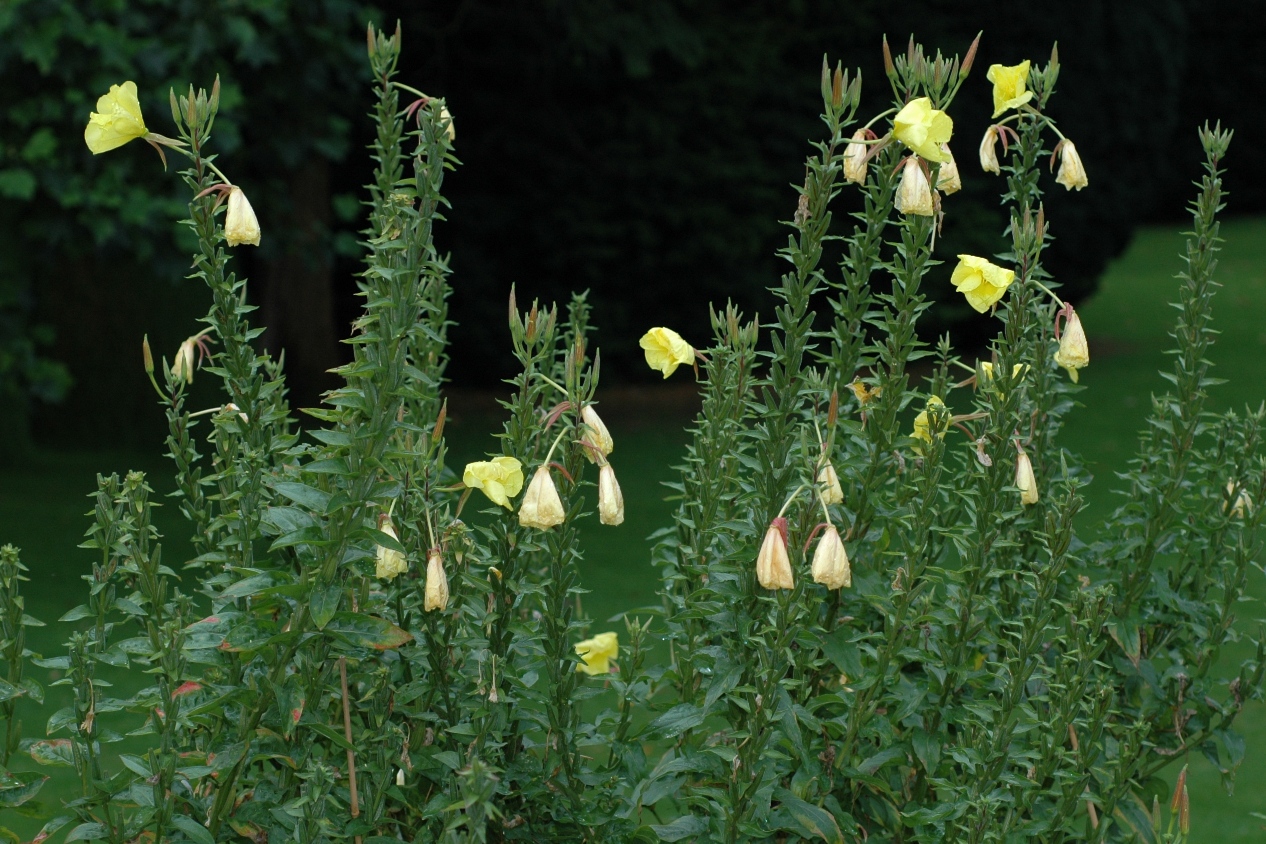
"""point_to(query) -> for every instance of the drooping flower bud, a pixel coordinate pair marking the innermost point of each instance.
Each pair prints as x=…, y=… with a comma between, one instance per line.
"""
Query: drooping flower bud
x=829, y=485
x=1025, y=481
x=596, y=654
x=610, y=499
x=989, y=151
x=388, y=561
x=182, y=366
x=914, y=193
x=436, y=597
x=1073, y=352
x=240, y=225
x=596, y=438
x=855, y=159
x=773, y=568
x=541, y=508
x=1071, y=172
x=948, y=181
x=830, y=561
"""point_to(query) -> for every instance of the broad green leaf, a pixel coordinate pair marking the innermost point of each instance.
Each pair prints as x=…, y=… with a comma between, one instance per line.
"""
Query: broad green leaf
x=193, y=829
x=314, y=499
x=683, y=827
x=87, y=832
x=367, y=631
x=323, y=604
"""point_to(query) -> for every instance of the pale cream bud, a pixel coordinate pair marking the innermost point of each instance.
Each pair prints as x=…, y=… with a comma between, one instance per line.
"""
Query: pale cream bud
x=855, y=158
x=240, y=225
x=597, y=439
x=989, y=151
x=1073, y=352
x=400, y=777
x=829, y=486
x=610, y=499
x=1025, y=481
x=1071, y=172
x=388, y=562
x=773, y=568
x=948, y=181
x=1243, y=505
x=450, y=129
x=436, y=597
x=914, y=194
x=830, y=561
x=541, y=508
x=182, y=366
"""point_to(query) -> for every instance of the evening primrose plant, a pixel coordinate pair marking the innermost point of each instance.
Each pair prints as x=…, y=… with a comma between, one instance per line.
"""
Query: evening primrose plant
x=881, y=623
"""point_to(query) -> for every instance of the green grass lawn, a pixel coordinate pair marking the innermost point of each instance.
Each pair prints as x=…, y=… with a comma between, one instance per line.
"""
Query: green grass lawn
x=42, y=506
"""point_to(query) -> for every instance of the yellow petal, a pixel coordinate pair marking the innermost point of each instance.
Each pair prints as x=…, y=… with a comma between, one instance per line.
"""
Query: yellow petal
x=1009, y=86
x=116, y=121
x=665, y=350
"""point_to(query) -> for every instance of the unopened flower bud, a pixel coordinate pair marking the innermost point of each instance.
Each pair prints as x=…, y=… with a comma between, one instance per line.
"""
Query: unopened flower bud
x=855, y=158
x=240, y=225
x=1073, y=352
x=1025, y=480
x=829, y=485
x=400, y=777
x=541, y=508
x=182, y=366
x=989, y=151
x=447, y=120
x=610, y=499
x=914, y=194
x=830, y=561
x=436, y=597
x=147, y=356
x=596, y=439
x=773, y=568
x=948, y=181
x=1071, y=172
x=388, y=562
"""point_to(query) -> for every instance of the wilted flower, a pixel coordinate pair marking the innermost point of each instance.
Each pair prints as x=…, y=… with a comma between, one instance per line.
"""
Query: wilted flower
x=1071, y=172
x=1243, y=505
x=948, y=181
x=855, y=158
x=240, y=225
x=596, y=654
x=541, y=508
x=388, y=561
x=1073, y=352
x=865, y=394
x=436, y=597
x=500, y=478
x=829, y=485
x=830, y=561
x=982, y=282
x=596, y=436
x=665, y=350
x=1025, y=480
x=773, y=568
x=610, y=499
x=989, y=151
x=182, y=367
x=923, y=128
x=914, y=193
x=116, y=121
x=923, y=422
x=1009, y=86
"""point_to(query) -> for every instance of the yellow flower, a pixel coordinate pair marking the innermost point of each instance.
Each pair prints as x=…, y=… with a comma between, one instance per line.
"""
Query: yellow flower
x=829, y=485
x=855, y=158
x=500, y=478
x=597, y=653
x=388, y=561
x=665, y=350
x=240, y=225
x=1025, y=481
x=596, y=437
x=116, y=121
x=1009, y=86
x=830, y=561
x=982, y=282
x=1016, y=370
x=865, y=395
x=989, y=151
x=923, y=422
x=948, y=181
x=610, y=499
x=914, y=193
x=923, y=128
x=1073, y=352
x=436, y=597
x=1071, y=172
x=541, y=508
x=773, y=568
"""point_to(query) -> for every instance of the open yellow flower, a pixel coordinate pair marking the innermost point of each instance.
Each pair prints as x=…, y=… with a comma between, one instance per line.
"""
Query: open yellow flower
x=923, y=128
x=500, y=478
x=1009, y=85
x=596, y=654
x=982, y=282
x=923, y=422
x=665, y=350
x=116, y=121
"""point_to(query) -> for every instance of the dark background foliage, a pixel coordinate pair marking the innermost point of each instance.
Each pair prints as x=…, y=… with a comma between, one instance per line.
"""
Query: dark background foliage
x=645, y=151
